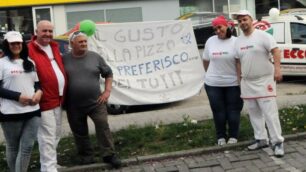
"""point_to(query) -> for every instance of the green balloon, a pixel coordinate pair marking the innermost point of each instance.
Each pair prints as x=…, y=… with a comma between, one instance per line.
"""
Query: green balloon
x=88, y=27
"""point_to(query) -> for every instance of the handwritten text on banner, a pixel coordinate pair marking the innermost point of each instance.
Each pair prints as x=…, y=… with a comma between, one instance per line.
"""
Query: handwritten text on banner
x=152, y=62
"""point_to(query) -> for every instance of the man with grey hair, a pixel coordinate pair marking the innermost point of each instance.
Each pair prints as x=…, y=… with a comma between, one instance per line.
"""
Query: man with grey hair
x=254, y=49
x=84, y=98
x=50, y=70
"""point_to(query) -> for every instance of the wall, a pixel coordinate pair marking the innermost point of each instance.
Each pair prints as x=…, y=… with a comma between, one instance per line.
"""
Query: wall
x=59, y=19
x=151, y=10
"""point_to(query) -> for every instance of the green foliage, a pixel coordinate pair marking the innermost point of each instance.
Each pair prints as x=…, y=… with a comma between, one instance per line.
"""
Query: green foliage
x=164, y=138
x=293, y=119
x=160, y=138
x=2, y=156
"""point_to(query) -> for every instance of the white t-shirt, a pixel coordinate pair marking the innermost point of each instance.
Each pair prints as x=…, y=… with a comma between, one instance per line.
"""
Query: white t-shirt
x=256, y=66
x=254, y=54
x=222, y=65
x=58, y=72
x=14, y=78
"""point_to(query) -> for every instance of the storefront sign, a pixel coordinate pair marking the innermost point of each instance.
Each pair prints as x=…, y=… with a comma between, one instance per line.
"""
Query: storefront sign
x=294, y=54
x=10, y=3
x=152, y=62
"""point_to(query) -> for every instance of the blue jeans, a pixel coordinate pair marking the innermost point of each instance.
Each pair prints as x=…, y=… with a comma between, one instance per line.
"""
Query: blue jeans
x=20, y=137
x=226, y=105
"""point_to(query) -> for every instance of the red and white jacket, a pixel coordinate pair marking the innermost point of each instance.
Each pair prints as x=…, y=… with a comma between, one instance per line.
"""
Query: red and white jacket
x=46, y=74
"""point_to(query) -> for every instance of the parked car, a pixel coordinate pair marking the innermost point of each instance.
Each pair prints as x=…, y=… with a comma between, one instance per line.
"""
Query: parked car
x=289, y=31
x=201, y=23
x=63, y=45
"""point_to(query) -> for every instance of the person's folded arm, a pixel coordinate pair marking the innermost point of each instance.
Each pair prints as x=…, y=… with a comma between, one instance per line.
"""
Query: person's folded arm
x=8, y=94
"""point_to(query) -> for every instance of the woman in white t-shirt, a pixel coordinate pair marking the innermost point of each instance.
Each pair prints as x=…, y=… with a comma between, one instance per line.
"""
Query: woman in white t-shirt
x=20, y=95
x=221, y=81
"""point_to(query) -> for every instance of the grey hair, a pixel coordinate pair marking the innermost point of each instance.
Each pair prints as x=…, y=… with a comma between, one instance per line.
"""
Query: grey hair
x=75, y=34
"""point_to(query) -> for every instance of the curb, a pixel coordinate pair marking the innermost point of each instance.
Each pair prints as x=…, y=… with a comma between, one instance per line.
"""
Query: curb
x=170, y=155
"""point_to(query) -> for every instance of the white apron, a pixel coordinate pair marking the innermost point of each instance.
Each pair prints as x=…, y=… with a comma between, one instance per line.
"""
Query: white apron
x=264, y=86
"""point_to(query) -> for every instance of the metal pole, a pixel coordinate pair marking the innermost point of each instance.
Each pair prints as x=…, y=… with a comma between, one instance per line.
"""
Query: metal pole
x=228, y=7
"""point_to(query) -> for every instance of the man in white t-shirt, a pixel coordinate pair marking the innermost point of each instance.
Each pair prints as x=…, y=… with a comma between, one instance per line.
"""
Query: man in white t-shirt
x=50, y=70
x=258, y=82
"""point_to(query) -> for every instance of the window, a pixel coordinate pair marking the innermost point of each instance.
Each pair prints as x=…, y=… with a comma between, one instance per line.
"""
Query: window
x=279, y=32
x=298, y=33
x=187, y=6
x=3, y=21
x=285, y=4
x=263, y=7
x=42, y=13
x=205, y=5
x=124, y=15
x=75, y=17
x=18, y=19
x=236, y=5
x=133, y=14
x=221, y=6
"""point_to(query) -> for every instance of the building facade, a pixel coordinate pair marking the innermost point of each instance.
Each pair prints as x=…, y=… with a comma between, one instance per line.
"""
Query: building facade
x=259, y=8
x=23, y=15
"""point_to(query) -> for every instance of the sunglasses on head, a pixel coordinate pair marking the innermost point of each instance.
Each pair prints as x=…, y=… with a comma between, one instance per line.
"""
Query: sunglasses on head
x=75, y=34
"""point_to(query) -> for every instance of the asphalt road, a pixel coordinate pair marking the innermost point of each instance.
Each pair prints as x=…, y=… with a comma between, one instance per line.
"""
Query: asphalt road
x=289, y=86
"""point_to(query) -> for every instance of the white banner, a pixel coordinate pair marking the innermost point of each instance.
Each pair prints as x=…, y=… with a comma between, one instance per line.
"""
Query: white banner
x=152, y=62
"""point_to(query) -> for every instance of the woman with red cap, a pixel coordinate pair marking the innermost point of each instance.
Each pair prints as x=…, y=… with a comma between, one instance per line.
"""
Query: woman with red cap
x=222, y=81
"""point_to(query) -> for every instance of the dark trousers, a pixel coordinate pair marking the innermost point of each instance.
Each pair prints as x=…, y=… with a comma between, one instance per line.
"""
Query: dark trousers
x=226, y=105
x=78, y=123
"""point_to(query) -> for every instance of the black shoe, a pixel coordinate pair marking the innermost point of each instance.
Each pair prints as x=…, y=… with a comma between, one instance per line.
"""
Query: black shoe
x=113, y=160
x=258, y=144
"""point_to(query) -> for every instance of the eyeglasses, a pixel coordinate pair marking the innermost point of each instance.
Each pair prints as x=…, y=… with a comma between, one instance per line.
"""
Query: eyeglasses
x=75, y=34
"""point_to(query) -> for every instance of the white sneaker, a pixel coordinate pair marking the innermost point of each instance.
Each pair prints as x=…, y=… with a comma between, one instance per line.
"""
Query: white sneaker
x=232, y=140
x=279, y=150
x=221, y=141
